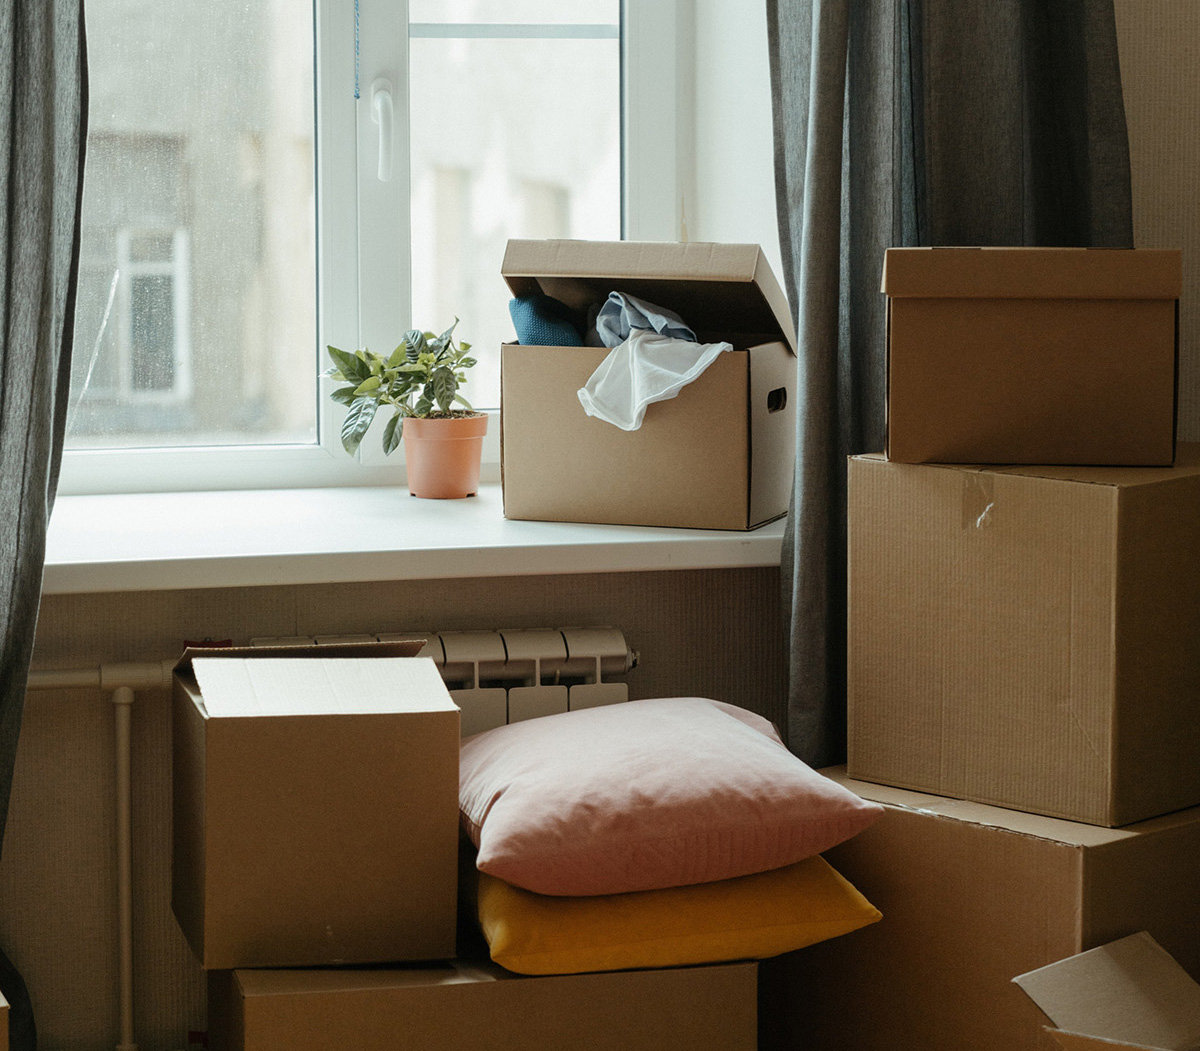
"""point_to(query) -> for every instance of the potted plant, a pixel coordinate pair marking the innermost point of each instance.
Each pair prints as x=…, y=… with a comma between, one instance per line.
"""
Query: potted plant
x=420, y=381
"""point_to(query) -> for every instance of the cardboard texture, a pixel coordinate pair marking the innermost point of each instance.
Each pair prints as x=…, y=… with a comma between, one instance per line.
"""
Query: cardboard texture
x=315, y=806
x=464, y=1006
x=1027, y=636
x=717, y=456
x=972, y=895
x=1129, y=993
x=1032, y=355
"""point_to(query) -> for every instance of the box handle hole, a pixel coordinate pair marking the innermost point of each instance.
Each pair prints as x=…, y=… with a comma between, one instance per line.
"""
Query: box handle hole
x=776, y=399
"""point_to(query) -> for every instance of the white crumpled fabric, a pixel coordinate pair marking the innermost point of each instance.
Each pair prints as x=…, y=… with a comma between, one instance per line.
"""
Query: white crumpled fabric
x=644, y=369
x=654, y=356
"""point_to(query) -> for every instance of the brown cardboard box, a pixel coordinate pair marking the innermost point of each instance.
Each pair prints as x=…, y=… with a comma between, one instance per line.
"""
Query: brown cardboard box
x=717, y=456
x=972, y=895
x=1128, y=994
x=1028, y=637
x=464, y=1007
x=315, y=806
x=1032, y=355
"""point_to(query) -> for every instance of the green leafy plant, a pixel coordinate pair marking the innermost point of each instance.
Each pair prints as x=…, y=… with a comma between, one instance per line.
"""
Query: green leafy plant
x=419, y=378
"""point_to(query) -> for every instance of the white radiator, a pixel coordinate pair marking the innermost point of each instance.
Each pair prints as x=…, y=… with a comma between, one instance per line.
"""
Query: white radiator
x=510, y=674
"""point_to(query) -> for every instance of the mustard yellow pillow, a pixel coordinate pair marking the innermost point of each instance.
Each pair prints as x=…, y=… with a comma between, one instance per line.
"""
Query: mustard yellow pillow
x=747, y=917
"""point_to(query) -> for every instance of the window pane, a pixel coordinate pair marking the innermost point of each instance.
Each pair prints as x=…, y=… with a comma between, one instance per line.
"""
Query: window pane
x=196, y=319
x=511, y=137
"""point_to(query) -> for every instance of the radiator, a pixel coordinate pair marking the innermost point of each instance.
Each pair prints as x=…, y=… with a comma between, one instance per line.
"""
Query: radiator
x=495, y=677
x=511, y=674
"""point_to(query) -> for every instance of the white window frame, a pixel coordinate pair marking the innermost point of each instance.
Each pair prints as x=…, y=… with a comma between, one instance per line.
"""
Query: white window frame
x=363, y=282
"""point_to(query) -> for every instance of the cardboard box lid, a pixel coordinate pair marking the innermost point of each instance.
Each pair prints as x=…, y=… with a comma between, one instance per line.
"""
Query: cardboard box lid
x=1130, y=993
x=713, y=287
x=1187, y=465
x=1053, y=829
x=1033, y=273
x=360, y=679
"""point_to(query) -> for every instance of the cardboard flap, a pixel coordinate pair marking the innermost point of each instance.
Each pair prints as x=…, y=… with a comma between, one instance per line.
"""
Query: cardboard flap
x=715, y=288
x=1079, y=1042
x=1033, y=273
x=1130, y=992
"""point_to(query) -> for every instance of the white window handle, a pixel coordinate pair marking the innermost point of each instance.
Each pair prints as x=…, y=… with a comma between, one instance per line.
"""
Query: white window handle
x=381, y=114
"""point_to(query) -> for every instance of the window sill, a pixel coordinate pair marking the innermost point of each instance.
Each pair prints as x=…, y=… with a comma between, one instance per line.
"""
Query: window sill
x=172, y=541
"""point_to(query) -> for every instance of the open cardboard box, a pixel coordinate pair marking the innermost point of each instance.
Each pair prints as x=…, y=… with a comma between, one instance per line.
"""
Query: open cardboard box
x=315, y=805
x=1130, y=993
x=1032, y=355
x=719, y=455
x=972, y=895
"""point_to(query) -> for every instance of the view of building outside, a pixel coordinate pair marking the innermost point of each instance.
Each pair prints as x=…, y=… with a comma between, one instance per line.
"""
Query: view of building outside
x=196, y=319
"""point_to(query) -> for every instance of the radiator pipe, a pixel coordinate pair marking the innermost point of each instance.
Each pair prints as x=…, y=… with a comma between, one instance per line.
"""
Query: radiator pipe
x=122, y=712
x=121, y=679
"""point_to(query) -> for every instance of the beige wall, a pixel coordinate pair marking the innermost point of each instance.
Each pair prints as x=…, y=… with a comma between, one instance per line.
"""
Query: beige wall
x=1160, y=70
x=711, y=633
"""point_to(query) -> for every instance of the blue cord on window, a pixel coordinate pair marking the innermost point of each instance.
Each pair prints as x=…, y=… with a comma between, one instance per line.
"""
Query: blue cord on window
x=356, y=48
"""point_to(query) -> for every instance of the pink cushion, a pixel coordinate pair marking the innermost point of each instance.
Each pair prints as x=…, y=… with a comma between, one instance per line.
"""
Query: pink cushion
x=645, y=795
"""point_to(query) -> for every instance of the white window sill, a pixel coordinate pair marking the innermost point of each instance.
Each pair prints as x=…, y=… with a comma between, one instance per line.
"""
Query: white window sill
x=170, y=541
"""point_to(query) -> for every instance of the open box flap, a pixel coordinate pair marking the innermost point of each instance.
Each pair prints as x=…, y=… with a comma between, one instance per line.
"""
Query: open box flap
x=307, y=680
x=715, y=288
x=1130, y=993
x=1032, y=273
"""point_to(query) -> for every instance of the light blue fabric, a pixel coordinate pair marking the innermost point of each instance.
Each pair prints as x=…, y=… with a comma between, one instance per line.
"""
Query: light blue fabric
x=621, y=314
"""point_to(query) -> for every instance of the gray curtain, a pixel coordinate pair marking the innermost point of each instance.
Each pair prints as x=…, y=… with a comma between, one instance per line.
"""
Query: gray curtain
x=913, y=122
x=42, y=130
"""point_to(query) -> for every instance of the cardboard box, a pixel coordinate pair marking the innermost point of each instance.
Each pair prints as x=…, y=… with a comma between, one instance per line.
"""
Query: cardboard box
x=717, y=456
x=972, y=895
x=463, y=1006
x=315, y=806
x=1032, y=355
x=1128, y=994
x=1028, y=637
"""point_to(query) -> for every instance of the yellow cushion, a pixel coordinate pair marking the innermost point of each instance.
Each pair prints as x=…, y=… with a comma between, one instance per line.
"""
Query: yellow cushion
x=748, y=917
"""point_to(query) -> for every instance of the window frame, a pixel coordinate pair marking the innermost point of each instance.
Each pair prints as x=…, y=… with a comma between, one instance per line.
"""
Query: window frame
x=363, y=282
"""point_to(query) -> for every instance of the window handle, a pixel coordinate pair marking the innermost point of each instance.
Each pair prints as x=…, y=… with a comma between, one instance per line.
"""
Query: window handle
x=381, y=114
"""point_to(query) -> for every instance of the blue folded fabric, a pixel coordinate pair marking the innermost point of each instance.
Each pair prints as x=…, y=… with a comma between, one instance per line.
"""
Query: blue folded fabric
x=543, y=321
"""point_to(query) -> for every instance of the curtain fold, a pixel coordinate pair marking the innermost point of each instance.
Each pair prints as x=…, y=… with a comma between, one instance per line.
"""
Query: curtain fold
x=899, y=123
x=43, y=120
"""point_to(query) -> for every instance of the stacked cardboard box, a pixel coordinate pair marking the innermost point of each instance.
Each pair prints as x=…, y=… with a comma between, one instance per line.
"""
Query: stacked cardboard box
x=1021, y=636
x=316, y=826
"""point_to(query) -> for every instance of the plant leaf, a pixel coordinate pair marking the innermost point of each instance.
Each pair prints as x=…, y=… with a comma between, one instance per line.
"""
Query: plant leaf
x=444, y=387
x=369, y=384
x=343, y=395
x=415, y=339
x=357, y=422
x=398, y=356
x=392, y=432
x=464, y=403
x=352, y=367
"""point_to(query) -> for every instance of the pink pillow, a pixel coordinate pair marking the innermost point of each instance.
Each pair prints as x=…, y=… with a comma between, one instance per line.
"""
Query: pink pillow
x=645, y=795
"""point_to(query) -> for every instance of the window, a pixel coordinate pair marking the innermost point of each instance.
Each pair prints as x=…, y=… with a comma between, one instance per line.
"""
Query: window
x=246, y=205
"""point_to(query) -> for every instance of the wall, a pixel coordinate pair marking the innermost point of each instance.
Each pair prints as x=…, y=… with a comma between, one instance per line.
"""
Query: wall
x=713, y=633
x=1160, y=72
